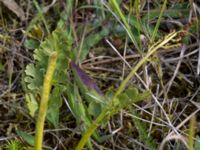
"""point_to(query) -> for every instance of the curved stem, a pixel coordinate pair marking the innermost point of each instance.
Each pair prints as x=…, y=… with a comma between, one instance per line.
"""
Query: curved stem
x=104, y=114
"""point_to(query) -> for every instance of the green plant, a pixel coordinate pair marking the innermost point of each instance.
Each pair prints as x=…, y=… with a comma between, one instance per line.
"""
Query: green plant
x=34, y=73
x=61, y=42
x=13, y=145
x=26, y=137
x=142, y=130
x=158, y=22
x=86, y=103
x=127, y=27
x=111, y=107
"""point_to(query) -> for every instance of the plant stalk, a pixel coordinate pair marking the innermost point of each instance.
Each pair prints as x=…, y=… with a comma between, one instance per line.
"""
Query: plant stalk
x=105, y=112
x=44, y=101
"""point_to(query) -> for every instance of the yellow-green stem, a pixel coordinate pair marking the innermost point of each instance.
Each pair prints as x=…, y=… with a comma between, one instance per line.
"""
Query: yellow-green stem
x=44, y=101
x=104, y=113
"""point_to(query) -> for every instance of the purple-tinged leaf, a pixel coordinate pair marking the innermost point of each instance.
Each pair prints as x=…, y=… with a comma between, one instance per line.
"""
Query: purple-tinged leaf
x=85, y=78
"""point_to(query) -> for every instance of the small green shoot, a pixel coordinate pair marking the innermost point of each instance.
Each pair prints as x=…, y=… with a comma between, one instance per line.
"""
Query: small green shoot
x=13, y=145
x=158, y=22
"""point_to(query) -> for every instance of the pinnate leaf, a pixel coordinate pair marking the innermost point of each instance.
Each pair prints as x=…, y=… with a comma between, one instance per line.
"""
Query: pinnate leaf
x=32, y=104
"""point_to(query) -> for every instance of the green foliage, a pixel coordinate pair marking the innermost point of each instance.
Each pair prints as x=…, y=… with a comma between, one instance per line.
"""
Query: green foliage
x=99, y=103
x=158, y=21
x=79, y=108
x=87, y=104
x=177, y=146
x=61, y=42
x=129, y=96
x=142, y=130
x=31, y=43
x=13, y=145
x=178, y=10
x=26, y=137
x=33, y=77
x=94, y=109
x=122, y=17
x=114, y=104
x=55, y=102
x=91, y=40
x=197, y=143
x=41, y=15
x=31, y=103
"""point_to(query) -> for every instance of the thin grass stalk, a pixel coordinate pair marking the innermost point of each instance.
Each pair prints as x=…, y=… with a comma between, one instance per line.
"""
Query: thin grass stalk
x=105, y=113
x=158, y=22
x=44, y=101
x=142, y=61
x=137, y=12
x=41, y=14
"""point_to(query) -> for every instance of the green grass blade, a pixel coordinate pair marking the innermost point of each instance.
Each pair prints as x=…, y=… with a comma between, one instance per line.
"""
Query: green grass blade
x=41, y=14
x=127, y=26
x=158, y=22
x=137, y=11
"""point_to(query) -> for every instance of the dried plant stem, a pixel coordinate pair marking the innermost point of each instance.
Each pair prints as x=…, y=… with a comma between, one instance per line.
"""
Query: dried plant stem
x=44, y=101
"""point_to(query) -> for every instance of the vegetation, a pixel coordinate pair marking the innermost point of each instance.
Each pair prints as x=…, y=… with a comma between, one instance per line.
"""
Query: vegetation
x=99, y=74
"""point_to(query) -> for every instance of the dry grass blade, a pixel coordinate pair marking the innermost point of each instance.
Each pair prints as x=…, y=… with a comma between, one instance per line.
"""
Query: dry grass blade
x=173, y=137
x=46, y=9
x=176, y=70
x=15, y=8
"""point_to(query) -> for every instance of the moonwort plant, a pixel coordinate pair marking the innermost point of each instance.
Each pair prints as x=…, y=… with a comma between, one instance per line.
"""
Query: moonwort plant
x=63, y=87
x=111, y=107
x=98, y=101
